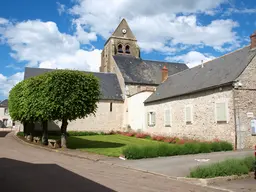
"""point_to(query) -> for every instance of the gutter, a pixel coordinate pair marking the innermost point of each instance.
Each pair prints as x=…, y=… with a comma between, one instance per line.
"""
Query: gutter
x=192, y=92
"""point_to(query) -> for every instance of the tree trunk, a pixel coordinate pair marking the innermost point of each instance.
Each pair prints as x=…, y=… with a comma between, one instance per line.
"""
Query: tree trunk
x=45, y=133
x=25, y=128
x=31, y=131
x=64, y=126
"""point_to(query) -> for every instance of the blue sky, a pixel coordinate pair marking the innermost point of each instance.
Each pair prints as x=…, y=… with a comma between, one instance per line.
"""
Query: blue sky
x=71, y=33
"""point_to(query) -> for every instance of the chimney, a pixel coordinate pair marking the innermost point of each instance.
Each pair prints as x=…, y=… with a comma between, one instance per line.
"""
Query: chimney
x=164, y=73
x=253, y=40
x=202, y=63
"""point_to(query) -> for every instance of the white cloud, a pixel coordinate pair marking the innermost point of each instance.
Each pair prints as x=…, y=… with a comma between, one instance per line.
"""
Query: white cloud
x=3, y=21
x=231, y=11
x=156, y=24
x=41, y=44
x=6, y=83
x=192, y=59
x=61, y=8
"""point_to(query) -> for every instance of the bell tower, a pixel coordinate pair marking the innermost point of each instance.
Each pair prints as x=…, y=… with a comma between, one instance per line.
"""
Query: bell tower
x=121, y=42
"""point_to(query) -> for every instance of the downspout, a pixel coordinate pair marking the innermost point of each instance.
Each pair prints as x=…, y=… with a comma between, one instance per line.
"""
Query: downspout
x=235, y=118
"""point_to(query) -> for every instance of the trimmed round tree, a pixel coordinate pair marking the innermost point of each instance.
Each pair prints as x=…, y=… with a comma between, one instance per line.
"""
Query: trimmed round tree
x=71, y=95
x=28, y=104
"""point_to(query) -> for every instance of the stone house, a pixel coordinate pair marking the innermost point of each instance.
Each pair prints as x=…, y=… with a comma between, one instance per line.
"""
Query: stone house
x=126, y=81
x=216, y=99
x=5, y=119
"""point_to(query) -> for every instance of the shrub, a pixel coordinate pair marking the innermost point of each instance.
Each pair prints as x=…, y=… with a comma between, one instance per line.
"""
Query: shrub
x=225, y=146
x=130, y=134
x=168, y=140
x=83, y=133
x=225, y=168
x=181, y=141
x=21, y=134
x=215, y=146
x=141, y=135
x=192, y=148
x=165, y=149
x=158, y=138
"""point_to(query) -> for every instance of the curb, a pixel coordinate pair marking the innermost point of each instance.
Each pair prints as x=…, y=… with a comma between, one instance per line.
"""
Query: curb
x=199, y=182
x=52, y=150
x=211, y=181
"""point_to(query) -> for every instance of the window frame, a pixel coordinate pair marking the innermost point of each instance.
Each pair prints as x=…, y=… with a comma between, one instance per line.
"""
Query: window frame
x=149, y=122
x=170, y=116
x=226, y=111
x=191, y=114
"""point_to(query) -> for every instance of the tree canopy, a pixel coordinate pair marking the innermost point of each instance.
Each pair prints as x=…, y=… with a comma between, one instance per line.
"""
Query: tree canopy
x=63, y=95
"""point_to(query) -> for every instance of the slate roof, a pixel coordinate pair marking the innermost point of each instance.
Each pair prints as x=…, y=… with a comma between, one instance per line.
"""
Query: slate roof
x=138, y=71
x=109, y=85
x=4, y=103
x=221, y=71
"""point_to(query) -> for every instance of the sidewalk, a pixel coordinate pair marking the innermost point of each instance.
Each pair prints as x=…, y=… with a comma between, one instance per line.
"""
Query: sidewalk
x=179, y=166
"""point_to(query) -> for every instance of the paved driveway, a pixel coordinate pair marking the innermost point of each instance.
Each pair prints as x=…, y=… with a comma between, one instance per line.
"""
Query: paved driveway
x=28, y=169
x=179, y=166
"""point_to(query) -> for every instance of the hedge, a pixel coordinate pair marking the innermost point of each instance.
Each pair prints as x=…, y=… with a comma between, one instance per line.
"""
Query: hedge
x=225, y=168
x=165, y=149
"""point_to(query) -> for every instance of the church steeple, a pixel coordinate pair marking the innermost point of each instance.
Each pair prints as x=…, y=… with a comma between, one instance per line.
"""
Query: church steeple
x=123, y=42
x=123, y=30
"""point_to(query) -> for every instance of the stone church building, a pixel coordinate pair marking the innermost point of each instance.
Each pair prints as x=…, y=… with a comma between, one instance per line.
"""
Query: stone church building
x=126, y=81
x=216, y=99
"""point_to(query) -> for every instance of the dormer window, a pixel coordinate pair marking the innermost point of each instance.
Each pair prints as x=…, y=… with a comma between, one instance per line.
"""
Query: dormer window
x=120, y=48
x=127, y=49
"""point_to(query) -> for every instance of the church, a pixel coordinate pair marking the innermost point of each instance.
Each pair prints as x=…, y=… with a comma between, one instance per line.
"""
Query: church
x=126, y=81
x=214, y=100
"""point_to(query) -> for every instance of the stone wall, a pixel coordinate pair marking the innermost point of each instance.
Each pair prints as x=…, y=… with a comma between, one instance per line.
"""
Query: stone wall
x=245, y=106
x=134, y=89
x=204, y=125
x=104, y=120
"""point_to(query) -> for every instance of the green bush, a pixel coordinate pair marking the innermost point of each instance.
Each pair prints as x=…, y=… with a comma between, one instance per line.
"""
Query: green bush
x=21, y=134
x=166, y=149
x=225, y=168
x=205, y=148
x=83, y=133
x=225, y=146
x=215, y=146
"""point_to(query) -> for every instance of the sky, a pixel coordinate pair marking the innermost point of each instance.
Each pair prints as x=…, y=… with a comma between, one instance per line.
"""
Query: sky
x=71, y=34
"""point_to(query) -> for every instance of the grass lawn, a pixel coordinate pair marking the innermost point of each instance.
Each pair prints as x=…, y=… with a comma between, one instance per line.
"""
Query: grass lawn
x=109, y=145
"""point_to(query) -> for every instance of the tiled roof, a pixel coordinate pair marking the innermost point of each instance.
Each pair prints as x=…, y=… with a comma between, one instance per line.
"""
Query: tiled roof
x=220, y=71
x=138, y=71
x=109, y=85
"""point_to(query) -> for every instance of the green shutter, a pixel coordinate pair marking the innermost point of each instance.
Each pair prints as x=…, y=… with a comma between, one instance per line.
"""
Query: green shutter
x=188, y=114
x=221, y=112
x=167, y=118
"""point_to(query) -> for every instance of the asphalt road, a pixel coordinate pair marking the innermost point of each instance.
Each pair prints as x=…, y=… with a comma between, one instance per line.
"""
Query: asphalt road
x=28, y=169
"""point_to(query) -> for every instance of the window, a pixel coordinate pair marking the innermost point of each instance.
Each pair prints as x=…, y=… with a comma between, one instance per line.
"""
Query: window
x=111, y=105
x=120, y=48
x=167, y=118
x=127, y=49
x=188, y=114
x=151, y=119
x=221, y=112
x=6, y=111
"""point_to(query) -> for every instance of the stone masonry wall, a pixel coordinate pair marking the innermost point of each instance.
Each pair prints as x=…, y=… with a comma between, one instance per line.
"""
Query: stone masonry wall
x=104, y=120
x=204, y=125
x=133, y=89
x=245, y=102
